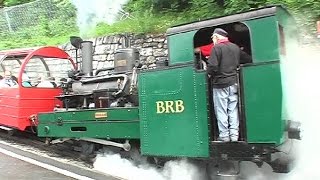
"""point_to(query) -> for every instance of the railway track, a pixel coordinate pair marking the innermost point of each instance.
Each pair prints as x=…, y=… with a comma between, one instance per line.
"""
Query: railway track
x=65, y=156
x=65, y=152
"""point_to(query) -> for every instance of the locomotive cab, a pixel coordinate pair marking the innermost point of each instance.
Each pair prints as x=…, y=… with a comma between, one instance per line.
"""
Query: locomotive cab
x=182, y=95
x=238, y=33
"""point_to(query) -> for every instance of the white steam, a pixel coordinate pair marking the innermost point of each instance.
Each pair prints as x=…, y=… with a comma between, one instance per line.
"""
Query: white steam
x=302, y=82
x=117, y=166
x=90, y=13
x=301, y=76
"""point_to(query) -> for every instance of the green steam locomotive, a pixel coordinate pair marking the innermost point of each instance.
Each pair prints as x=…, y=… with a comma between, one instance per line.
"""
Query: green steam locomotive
x=166, y=110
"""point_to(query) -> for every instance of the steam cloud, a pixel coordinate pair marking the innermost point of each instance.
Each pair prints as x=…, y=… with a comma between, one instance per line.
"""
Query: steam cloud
x=301, y=82
x=303, y=96
x=114, y=165
x=90, y=13
x=300, y=76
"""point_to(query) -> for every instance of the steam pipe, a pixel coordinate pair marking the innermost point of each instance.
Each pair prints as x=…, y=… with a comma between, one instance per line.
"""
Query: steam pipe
x=76, y=42
x=122, y=88
x=77, y=62
x=125, y=41
x=87, y=58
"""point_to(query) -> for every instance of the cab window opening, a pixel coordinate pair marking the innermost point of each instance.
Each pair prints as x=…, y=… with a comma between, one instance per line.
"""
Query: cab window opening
x=238, y=33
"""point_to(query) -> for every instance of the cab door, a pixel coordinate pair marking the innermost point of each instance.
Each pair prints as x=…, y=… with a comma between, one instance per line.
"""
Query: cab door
x=173, y=112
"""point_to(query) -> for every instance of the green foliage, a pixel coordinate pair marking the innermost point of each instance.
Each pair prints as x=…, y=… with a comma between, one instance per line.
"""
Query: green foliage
x=203, y=9
x=140, y=24
x=65, y=6
x=15, y=2
x=236, y=6
x=174, y=5
x=139, y=6
x=149, y=16
x=306, y=12
x=51, y=29
x=158, y=5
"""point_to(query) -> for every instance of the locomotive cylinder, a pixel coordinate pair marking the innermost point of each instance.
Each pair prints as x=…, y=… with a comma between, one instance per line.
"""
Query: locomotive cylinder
x=87, y=57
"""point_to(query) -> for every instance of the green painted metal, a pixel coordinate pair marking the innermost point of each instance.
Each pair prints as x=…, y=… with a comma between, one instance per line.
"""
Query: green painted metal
x=291, y=42
x=119, y=123
x=284, y=18
x=264, y=39
x=174, y=131
x=115, y=114
x=181, y=48
x=263, y=103
x=291, y=38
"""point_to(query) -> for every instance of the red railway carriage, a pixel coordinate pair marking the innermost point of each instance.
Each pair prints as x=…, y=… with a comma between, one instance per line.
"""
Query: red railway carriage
x=33, y=66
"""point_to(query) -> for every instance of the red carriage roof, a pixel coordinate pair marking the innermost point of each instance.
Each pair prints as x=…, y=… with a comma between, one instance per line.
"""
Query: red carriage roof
x=46, y=51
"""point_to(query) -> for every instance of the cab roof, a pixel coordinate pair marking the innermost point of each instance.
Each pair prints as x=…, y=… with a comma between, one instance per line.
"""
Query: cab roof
x=243, y=16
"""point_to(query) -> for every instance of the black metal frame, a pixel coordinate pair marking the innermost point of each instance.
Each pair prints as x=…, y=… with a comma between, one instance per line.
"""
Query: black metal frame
x=241, y=105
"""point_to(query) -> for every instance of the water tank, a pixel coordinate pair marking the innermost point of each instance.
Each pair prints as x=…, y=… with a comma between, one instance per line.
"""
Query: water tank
x=125, y=59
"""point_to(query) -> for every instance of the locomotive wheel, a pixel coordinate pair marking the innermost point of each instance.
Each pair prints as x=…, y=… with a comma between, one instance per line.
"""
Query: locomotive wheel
x=87, y=150
x=11, y=132
x=134, y=155
x=223, y=170
x=158, y=162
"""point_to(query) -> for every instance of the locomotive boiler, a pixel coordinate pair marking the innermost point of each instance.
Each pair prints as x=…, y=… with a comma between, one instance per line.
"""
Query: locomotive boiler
x=108, y=87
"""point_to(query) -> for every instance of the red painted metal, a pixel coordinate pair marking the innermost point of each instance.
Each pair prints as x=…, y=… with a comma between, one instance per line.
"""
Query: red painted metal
x=12, y=52
x=17, y=104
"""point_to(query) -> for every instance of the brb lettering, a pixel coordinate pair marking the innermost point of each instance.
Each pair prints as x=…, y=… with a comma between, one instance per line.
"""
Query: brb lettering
x=170, y=106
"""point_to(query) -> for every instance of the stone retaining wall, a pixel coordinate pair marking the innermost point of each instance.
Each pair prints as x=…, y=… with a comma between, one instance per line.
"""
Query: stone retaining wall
x=152, y=48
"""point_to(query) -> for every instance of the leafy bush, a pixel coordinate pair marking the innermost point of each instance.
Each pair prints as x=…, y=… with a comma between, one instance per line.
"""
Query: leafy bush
x=141, y=24
x=150, y=16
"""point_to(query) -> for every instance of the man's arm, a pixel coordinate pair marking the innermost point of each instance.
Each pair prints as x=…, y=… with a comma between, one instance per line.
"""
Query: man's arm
x=213, y=63
x=197, y=50
x=245, y=58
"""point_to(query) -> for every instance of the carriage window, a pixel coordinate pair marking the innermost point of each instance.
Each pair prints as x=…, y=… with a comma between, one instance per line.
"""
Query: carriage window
x=238, y=33
x=9, y=69
x=38, y=72
x=47, y=72
x=11, y=64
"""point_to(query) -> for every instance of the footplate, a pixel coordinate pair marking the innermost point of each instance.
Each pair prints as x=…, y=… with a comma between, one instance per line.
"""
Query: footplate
x=241, y=151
